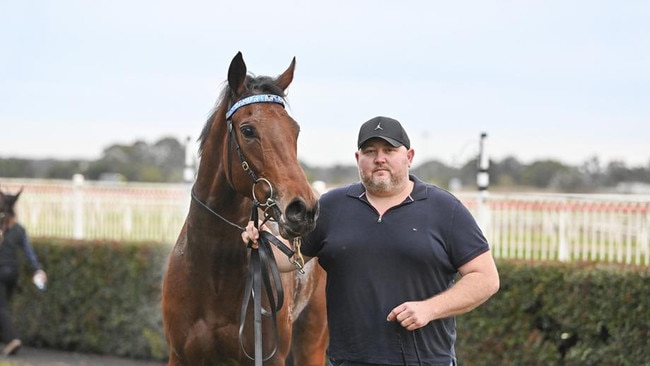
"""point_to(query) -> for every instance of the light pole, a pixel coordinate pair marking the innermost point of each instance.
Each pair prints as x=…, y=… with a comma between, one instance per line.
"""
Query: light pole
x=483, y=181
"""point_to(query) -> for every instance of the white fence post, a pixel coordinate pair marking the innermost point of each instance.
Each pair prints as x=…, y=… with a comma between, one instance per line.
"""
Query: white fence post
x=563, y=245
x=641, y=249
x=77, y=207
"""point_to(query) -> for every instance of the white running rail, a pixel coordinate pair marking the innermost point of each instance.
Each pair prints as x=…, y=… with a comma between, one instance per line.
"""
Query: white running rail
x=529, y=226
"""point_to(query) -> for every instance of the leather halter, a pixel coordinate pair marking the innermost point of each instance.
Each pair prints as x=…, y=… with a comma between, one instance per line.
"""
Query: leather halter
x=262, y=265
x=232, y=136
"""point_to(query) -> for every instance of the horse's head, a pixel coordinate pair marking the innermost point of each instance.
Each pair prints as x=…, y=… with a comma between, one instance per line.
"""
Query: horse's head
x=7, y=202
x=257, y=140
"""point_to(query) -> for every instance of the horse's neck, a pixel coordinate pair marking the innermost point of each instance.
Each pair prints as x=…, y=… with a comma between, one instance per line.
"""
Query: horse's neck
x=218, y=194
x=216, y=228
x=227, y=211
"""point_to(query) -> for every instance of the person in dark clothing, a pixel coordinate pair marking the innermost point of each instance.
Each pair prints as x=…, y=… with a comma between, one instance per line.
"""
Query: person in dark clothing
x=14, y=239
x=403, y=258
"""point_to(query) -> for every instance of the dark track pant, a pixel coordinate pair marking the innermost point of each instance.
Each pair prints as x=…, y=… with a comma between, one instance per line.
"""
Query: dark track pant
x=8, y=281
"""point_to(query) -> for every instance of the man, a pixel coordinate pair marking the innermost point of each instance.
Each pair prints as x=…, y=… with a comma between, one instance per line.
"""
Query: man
x=393, y=247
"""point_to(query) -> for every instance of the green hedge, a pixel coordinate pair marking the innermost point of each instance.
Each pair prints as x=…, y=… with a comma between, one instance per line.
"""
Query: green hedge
x=101, y=298
x=561, y=314
x=104, y=297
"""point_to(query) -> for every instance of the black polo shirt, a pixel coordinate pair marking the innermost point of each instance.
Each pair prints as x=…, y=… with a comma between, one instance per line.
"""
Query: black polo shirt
x=375, y=263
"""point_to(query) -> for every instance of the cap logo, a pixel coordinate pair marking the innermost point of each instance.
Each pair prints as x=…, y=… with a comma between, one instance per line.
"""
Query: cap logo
x=379, y=127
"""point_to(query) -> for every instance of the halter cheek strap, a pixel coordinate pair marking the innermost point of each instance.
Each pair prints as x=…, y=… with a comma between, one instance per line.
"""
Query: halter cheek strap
x=232, y=136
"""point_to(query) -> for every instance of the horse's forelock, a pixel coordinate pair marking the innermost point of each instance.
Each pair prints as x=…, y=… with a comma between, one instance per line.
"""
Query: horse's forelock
x=263, y=85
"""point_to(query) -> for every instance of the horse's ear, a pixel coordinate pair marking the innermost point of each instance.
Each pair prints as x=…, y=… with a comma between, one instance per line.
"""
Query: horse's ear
x=286, y=77
x=237, y=74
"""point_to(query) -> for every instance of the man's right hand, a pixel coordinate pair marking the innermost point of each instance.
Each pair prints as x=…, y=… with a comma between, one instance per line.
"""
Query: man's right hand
x=251, y=234
x=250, y=237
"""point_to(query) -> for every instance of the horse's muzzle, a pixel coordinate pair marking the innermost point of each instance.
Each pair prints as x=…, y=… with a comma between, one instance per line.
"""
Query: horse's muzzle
x=298, y=219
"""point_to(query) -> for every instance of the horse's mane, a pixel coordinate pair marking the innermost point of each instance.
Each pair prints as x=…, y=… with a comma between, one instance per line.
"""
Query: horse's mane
x=253, y=85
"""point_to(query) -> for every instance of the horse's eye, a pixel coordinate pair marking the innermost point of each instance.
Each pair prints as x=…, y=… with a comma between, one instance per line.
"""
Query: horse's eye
x=247, y=131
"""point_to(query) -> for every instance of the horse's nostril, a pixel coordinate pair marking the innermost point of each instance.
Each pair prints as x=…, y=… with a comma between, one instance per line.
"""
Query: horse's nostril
x=297, y=213
x=296, y=210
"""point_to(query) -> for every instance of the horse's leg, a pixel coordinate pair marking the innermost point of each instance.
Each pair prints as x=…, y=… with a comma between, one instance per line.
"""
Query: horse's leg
x=310, y=334
x=173, y=360
x=284, y=334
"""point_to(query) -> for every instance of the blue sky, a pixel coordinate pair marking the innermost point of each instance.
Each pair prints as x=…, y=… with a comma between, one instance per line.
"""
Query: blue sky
x=565, y=80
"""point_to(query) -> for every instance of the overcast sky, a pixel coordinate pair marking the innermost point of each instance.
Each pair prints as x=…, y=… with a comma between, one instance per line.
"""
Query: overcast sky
x=565, y=80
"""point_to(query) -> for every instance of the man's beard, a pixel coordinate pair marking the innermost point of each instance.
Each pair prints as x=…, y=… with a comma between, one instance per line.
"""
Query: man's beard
x=379, y=184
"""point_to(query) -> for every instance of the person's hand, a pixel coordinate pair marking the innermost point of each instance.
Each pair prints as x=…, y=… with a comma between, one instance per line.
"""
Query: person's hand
x=41, y=273
x=410, y=315
x=251, y=234
x=40, y=279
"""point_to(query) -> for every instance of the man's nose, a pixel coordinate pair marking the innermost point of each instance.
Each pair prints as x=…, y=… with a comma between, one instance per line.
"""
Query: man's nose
x=381, y=157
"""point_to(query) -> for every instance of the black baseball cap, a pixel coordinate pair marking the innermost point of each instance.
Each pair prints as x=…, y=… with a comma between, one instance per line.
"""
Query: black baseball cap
x=385, y=128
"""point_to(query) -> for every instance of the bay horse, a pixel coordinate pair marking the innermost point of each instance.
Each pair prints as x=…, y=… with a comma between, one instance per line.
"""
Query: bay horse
x=248, y=150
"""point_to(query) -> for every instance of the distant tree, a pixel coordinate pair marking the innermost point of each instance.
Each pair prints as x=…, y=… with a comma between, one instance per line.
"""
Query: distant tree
x=164, y=161
x=593, y=171
x=97, y=168
x=15, y=168
x=161, y=162
x=140, y=153
x=468, y=172
x=332, y=176
x=65, y=169
x=618, y=172
x=120, y=159
x=169, y=155
x=540, y=173
x=507, y=172
x=436, y=172
x=571, y=180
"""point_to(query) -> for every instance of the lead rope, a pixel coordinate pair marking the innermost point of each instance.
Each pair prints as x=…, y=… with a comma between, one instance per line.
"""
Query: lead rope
x=401, y=345
x=262, y=267
x=415, y=345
